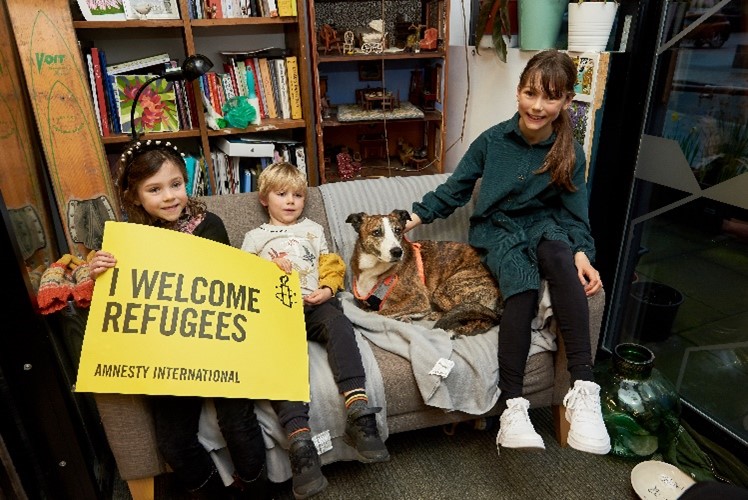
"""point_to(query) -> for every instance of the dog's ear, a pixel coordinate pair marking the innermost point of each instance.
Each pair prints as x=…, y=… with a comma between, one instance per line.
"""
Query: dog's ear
x=356, y=220
x=402, y=215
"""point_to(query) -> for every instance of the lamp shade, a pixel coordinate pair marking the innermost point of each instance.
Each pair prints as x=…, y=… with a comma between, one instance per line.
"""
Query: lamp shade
x=193, y=67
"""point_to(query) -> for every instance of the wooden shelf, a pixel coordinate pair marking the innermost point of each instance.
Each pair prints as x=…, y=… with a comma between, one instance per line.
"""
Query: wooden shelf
x=242, y=21
x=178, y=23
x=324, y=58
x=152, y=24
x=430, y=116
x=340, y=77
x=196, y=34
x=159, y=136
x=267, y=125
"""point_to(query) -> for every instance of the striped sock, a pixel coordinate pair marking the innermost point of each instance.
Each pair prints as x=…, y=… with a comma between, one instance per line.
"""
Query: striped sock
x=298, y=428
x=355, y=400
x=300, y=434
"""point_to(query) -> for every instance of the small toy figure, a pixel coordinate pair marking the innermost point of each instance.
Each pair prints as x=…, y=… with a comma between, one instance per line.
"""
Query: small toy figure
x=348, y=43
x=210, y=10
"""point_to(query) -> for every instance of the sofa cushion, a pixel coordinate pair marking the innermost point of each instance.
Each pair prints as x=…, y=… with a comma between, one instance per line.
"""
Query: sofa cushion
x=243, y=212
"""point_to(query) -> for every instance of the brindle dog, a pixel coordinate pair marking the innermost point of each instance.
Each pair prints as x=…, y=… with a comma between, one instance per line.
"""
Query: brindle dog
x=435, y=280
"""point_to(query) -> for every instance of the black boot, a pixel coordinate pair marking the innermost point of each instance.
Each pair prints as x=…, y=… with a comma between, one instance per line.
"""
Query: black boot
x=305, y=466
x=361, y=433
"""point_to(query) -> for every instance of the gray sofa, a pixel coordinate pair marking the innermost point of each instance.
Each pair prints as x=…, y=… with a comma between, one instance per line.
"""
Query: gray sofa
x=127, y=419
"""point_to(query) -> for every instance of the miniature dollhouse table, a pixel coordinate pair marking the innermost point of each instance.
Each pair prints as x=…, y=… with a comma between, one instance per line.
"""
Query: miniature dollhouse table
x=382, y=99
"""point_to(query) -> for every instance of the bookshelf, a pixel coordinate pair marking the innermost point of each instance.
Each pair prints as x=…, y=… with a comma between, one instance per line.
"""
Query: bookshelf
x=380, y=100
x=133, y=39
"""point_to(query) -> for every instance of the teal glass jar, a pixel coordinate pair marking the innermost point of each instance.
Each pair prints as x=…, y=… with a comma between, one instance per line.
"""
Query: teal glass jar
x=641, y=408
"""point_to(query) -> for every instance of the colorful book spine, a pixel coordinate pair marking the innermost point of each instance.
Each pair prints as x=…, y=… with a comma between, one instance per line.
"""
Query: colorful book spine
x=284, y=8
x=282, y=77
x=252, y=67
x=100, y=96
x=241, y=78
x=109, y=91
x=294, y=87
x=267, y=86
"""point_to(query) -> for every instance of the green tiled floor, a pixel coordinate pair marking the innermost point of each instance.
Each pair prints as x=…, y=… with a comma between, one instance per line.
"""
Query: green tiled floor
x=707, y=350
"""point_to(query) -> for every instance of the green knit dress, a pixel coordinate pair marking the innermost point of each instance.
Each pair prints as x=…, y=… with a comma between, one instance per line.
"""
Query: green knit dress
x=515, y=208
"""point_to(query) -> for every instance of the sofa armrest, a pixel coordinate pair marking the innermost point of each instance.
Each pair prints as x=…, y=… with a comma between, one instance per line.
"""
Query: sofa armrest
x=561, y=378
x=128, y=424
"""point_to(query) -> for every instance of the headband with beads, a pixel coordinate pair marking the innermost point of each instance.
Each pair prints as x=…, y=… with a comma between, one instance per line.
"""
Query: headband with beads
x=140, y=147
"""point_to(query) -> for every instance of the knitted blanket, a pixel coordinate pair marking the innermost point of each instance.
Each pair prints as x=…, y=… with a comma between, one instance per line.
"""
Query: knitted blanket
x=470, y=385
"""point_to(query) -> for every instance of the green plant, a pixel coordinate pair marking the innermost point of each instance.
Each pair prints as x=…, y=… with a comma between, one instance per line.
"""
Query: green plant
x=498, y=10
x=730, y=158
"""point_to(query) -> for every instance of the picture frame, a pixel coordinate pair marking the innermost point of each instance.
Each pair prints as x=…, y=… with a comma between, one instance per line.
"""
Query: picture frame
x=369, y=71
x=160, y=9
x=92, y=12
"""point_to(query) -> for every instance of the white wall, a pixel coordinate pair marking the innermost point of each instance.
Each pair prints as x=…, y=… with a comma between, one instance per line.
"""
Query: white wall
x=492, y=84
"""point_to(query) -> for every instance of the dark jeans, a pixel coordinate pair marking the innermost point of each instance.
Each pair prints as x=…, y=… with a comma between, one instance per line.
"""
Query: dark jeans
x=177, y=419
x=556, y=264
x=326, y=324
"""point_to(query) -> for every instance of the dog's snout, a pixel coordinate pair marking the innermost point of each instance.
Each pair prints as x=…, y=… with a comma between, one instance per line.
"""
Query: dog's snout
x=396, y=252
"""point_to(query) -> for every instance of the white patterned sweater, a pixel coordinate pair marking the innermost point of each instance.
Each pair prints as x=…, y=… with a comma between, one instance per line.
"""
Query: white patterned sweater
x=301, y=243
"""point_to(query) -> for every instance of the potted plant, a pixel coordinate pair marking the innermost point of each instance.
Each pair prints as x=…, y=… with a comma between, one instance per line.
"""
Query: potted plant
x=590, y=22
x=493, y=15
x=539, y=22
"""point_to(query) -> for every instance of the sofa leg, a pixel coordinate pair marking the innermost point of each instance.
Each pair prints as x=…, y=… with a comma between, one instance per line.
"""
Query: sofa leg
x=142, y=489
x=560, y=424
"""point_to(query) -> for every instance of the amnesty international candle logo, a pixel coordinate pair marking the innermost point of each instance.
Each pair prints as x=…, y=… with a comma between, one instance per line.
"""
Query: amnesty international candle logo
x=184, y=315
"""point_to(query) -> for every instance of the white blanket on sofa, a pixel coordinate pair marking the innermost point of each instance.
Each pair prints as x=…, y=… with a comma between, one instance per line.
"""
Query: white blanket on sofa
x=327, y=417
x=471, y=384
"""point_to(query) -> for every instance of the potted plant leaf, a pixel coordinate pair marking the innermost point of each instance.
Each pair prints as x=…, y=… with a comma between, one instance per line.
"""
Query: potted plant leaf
x=493, y=14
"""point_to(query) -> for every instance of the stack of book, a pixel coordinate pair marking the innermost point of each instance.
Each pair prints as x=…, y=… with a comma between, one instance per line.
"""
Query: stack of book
x=163, y=106
x=221, y=9
x=238, y=161
x=270, y=75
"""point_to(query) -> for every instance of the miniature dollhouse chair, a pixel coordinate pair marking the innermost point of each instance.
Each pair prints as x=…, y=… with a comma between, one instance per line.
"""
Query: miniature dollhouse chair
x=429, y=40
x=348, y=43
x=329, y=38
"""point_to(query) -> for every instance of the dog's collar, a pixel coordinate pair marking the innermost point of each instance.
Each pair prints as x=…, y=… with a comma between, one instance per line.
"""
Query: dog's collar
x=379, y=293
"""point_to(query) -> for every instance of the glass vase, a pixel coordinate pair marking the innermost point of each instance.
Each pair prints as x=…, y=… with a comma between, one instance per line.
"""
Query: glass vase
x=641, y=408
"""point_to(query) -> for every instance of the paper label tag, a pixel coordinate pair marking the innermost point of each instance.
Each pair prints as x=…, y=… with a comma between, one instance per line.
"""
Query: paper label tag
x=442, y=367
x=322, y=442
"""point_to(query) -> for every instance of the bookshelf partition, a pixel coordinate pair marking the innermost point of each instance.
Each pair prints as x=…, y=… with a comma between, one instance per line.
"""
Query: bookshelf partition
x=378, y=86
x=215, y=37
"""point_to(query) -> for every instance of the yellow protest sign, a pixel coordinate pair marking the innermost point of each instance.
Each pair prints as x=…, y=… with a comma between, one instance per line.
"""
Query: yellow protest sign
x=184, y=315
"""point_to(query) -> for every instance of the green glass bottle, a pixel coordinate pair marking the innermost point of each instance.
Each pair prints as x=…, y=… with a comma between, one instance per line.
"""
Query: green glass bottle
x=641, y=408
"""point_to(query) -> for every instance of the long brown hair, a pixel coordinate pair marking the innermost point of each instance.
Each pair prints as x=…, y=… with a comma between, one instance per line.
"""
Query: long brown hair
x=556, y=74
x=140, y=161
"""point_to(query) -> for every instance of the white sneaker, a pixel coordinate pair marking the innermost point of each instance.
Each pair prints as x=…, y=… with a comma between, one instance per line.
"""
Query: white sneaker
x=516, y=430
x=587, y=432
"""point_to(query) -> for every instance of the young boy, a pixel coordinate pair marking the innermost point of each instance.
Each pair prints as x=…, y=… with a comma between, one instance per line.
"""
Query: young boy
x=296, y=243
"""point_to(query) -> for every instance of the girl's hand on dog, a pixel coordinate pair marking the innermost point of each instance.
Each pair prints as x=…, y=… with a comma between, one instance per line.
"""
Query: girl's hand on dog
x=317, y=297
x=100, y=262
x=413, y=222
x=588, y=275
x=284, y=264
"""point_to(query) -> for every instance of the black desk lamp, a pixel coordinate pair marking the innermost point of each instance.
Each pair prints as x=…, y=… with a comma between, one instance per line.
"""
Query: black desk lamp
x=192, y=68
